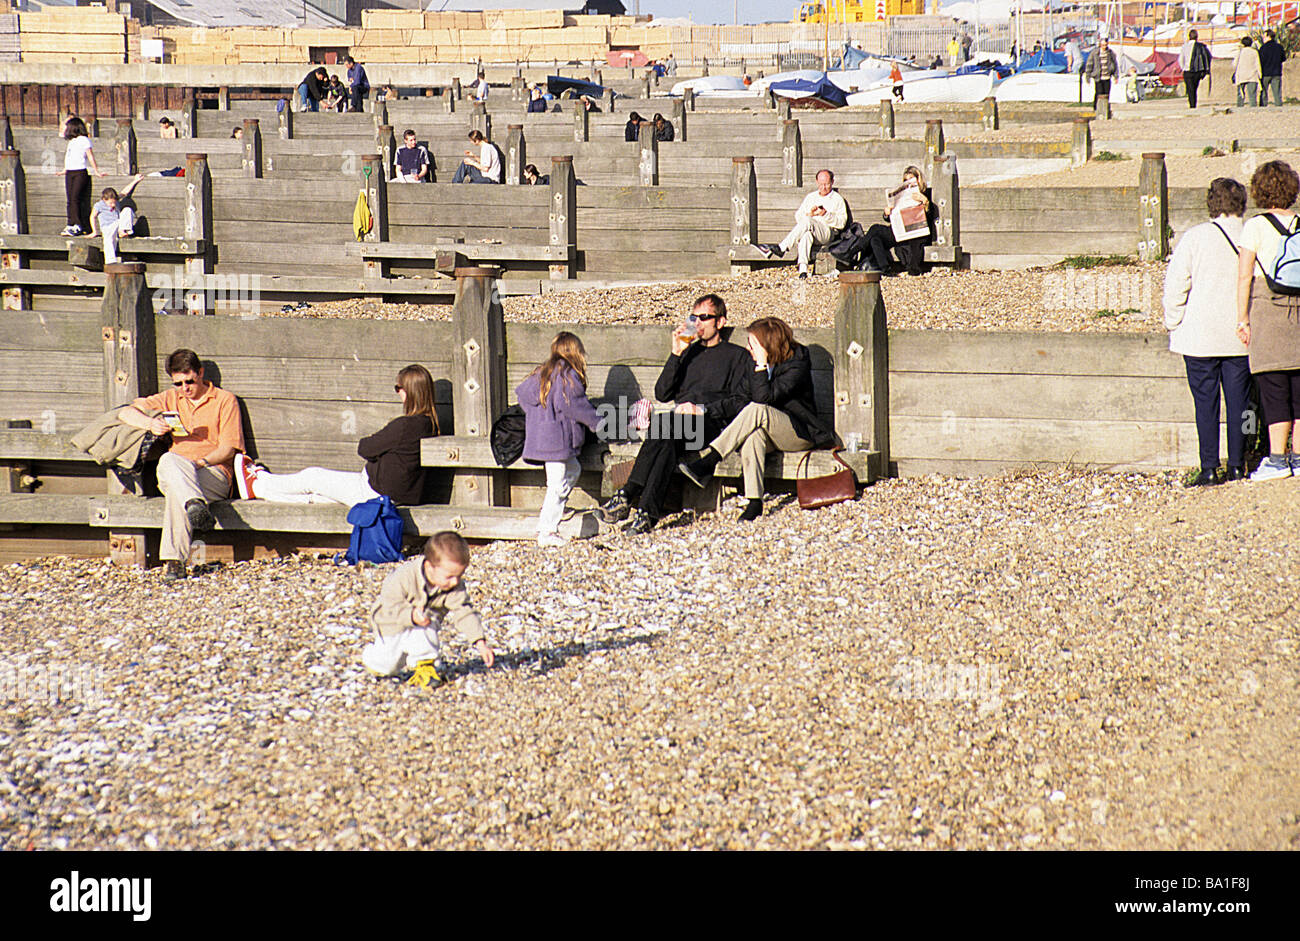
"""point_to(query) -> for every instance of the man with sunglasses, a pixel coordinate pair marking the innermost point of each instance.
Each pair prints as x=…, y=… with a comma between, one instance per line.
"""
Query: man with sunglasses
x=200, y=465
x=709, y=382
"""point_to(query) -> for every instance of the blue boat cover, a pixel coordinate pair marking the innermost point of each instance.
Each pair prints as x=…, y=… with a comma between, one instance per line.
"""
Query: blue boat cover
x=824, y=89
x=851, y=59
x=1044, y=61
x=988, y=65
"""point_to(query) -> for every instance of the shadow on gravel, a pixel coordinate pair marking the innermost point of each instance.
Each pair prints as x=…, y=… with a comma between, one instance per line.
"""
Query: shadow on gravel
x=547, y=658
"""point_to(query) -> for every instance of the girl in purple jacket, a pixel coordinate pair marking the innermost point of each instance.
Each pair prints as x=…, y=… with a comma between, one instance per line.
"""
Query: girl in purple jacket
x=556, y=416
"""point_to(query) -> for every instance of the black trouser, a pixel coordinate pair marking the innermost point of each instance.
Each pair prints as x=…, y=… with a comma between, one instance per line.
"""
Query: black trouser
x=1191, y=80
x=668, y=439
x=1101, y=89
x=77, y=185
x=1279, y=394
x=358, y=99
x=1205, y=375
x=880, y=239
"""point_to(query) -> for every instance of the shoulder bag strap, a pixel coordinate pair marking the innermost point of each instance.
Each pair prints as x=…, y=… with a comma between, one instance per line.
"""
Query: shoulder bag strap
x=803, y=463
x=1235, y=249
x=835, y=453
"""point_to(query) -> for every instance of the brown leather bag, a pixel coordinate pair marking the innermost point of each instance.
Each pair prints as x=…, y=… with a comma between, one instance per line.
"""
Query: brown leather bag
x=814, y=492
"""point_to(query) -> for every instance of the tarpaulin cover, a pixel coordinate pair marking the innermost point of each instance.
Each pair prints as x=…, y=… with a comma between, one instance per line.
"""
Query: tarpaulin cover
x=1045, y=60
x=823, y=90
x=557, y=85
x=1167, y=68
x=623, y=57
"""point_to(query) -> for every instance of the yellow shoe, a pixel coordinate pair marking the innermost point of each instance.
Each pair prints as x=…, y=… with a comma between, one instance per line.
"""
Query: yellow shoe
x=425, y=675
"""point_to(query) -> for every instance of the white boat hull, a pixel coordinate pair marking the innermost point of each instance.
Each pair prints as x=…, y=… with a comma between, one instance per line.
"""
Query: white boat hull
x=1053, y=86
x=949, y=88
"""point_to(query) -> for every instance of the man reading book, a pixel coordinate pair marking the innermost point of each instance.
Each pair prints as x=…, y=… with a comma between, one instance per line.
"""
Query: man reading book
x=200, y=465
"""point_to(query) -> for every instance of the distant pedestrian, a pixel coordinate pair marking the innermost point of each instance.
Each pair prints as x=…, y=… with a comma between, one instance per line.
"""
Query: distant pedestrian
x=1246, y=74
x=533, y=178
x=663, y=129
x=167, y=129
x=670, y=66
x=481, y=87
x=536, y=101
x=1194, y=60
x=1102, y=67
x=1271, y=57
x=632, y=130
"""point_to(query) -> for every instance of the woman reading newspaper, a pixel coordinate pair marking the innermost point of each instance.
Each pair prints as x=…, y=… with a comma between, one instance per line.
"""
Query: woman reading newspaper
x=906, y=229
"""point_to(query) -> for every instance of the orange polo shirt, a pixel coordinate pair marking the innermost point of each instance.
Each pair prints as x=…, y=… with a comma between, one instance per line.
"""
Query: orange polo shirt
x=212, y=421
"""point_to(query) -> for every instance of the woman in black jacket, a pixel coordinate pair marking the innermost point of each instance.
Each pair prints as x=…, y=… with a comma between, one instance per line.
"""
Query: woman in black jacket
x=392, y=457
x=632, y=130
x=781, y=416
x=663, y=130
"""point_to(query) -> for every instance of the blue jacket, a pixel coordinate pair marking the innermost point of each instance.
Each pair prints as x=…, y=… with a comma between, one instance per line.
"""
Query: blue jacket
x=555, y=431
x=357, y=78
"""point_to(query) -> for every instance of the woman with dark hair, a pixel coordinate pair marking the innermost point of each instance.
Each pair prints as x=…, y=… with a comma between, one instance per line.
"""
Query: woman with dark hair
x=78, y=164
x=392, y=457
x=781, y=416
x=663, y=129
x=632, y=130
x=881, y=238
x=1269, y=322
x=1200, y=315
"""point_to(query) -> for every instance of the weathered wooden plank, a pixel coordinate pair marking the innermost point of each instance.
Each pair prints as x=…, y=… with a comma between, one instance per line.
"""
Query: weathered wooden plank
x=974, y=395
x=1006, y=353
x=45, y=508
x=37, y=445
x=302, y=338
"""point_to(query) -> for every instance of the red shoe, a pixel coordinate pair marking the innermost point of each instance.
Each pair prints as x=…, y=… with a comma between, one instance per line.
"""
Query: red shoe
x=245, y=475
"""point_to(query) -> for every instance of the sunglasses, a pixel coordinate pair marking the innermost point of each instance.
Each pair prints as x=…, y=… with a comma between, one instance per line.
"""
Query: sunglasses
x=707, y=316
x=186, y=382
x=397, y=388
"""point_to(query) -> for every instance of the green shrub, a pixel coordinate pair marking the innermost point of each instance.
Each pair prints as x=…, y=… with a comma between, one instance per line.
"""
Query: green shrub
x=1108, y=155
x=1094, y=261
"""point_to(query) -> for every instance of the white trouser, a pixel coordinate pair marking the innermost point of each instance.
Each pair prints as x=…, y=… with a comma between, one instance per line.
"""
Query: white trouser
x=314, y=485
x=389, y=656
x=181, y=480
x=125, y=224
x=560, y=478
x=808, y=231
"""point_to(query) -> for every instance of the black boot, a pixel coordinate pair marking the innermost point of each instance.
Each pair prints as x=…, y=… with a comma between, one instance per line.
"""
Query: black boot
x=617, y=508
x=641, y=523
x=753, y=510
x=701, y=469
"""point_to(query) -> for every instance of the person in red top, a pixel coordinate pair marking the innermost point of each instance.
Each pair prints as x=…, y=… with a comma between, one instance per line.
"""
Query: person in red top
x=200, y=465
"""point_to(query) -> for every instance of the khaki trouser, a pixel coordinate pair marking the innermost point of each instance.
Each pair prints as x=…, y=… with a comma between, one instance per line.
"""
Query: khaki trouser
x=181, y=480
x=757, y=430
x=807, y=232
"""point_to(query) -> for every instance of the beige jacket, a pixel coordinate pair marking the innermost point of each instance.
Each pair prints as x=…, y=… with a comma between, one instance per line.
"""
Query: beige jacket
x=406, y=592
x=109, y=441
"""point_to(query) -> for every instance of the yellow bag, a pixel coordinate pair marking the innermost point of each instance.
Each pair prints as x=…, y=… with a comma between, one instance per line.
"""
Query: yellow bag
x=362, y=221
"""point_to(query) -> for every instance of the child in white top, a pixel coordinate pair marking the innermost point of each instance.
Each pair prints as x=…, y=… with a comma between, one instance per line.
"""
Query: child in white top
x=78, y=164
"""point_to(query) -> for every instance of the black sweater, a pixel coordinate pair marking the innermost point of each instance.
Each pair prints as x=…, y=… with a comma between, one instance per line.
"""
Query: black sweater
x=714, y=377
x=790, y=389
x=393, y=458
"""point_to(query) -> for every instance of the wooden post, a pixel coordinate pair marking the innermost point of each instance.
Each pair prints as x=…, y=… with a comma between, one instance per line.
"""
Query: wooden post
x=688, y=99
x=597, y=76
x=380, y=113
x=861, y=357
x=386, y=146
x=1081, y=142
x=563, y=216
x=517, y=88
x=455, y=88
x=125, y=146
x=791, y=154
x=782, y=108
x=887, y=120
x=609, y=100
x=645, y=86
x=448, y=101
x=933, y=145
x=189, y=119
x=6, y=134
x=945, y=192
x=13, y=221
x=989, y=113
x=130, y=371
x=480, y=120
x=375, y=183
x=516, y=154
x=478, y=366
x=1103, y=107
x=679, y=118
x=223, y=98
x=744, y=206
x=704, y=70
x=198, y=225
x=648, y=164
x=581, y=124
x=1153, y=211
x=140, y=106
x=285, y=115
x=252, y=148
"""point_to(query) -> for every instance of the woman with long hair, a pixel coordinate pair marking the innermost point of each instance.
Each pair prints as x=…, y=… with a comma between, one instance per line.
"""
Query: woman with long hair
x=881, y=238
x=78, y=164
x=392, y=457
x=781, y=416
x=557, y=415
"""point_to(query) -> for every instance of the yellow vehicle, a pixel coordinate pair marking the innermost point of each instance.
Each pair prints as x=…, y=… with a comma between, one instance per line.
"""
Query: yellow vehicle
x=855, y=11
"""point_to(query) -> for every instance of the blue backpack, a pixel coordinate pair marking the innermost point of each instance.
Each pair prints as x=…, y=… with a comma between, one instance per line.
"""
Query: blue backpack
x=1285, y=276
x=376, y=533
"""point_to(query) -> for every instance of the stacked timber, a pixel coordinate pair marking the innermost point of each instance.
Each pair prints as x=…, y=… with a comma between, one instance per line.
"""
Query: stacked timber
x=72, y=35
x=10, y=47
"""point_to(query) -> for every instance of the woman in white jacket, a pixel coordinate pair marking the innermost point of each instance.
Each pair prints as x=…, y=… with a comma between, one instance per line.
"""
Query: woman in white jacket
x=1201, y=315
x=1246, y=74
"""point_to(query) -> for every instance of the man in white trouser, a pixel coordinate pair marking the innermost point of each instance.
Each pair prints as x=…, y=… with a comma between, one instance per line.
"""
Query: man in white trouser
x=207, y=434
x=114, y=220
x=819, y=219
